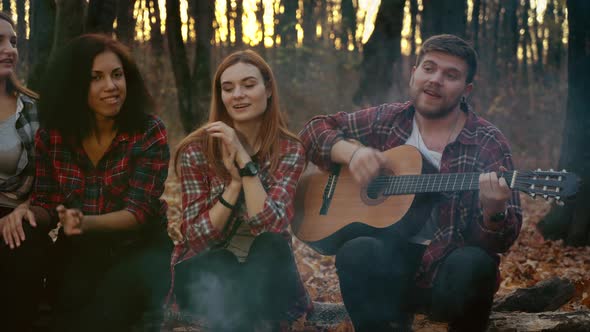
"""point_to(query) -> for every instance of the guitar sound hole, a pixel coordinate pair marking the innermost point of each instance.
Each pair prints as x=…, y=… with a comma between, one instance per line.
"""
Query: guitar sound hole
x=375, y=188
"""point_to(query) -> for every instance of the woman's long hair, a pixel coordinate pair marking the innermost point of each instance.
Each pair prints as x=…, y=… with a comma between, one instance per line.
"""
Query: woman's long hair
x=13, y=85
x=66, y=82
x=273, y=123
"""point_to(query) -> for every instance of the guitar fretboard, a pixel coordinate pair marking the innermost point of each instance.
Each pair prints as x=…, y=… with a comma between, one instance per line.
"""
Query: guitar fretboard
x=428, y=183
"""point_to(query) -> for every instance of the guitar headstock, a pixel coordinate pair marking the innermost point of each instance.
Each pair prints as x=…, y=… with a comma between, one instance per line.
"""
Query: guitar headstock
x=548, y=184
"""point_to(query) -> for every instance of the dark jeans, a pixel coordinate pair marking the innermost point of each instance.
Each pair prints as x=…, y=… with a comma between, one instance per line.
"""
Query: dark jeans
x=105, y=284
x=234, y=296
x=379, y=291
x=21, y=278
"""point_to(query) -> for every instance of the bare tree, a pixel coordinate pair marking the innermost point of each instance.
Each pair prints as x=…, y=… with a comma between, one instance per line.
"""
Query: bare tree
x=380, y=53
x=348, y=26
x=287, y=22
x=42, y=20
x=572, y=221
x=101, y=16
x=309, y=22
x=444, y=17
x=6, y=6
x=125, y=21
x=69, y=22
x=156, y=39
x=180, y=68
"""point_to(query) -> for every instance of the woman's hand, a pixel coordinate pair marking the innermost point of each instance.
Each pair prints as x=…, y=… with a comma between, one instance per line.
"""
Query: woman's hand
x=11, y=226
x=230, y=140
x=71, y=220
x=229, y=161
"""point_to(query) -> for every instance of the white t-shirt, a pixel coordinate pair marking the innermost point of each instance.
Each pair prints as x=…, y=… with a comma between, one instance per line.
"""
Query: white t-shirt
x=416, y=140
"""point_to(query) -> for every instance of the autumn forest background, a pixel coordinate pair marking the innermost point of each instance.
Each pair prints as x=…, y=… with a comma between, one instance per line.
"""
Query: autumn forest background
x=341, y=55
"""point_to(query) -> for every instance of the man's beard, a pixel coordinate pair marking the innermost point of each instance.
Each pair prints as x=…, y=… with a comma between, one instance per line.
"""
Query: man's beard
x=438, y=113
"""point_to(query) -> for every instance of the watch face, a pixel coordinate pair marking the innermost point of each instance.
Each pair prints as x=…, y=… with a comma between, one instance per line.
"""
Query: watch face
x=250, y=169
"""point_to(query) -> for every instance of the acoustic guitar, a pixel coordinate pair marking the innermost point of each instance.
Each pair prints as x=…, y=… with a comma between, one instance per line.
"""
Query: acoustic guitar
x=332, y=208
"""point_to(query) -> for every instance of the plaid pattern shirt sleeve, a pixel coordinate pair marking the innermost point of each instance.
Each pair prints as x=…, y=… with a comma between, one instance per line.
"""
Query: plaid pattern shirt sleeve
x=495, y=152
x=321, y=133
x=146, y=184
x=197, y=228
x=278, y=208
x=46, y=192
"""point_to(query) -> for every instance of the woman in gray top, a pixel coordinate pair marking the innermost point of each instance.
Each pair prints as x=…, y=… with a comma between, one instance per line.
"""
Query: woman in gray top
x=23, y=245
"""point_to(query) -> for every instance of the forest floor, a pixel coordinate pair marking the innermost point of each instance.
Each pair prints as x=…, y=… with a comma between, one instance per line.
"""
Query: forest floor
x=530, y=260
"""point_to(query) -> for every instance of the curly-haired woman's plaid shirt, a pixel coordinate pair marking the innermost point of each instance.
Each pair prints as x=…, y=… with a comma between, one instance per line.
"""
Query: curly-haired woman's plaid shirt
x=129, y=176
x=201, y=187
x=480, y=147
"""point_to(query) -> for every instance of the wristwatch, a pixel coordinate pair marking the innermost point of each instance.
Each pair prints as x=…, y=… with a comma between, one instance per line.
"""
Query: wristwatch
x=250, y=169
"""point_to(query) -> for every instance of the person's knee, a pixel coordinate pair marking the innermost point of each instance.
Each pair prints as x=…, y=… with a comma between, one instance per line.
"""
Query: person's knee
x=473, y=265
x=359, y=253
x=270, y=241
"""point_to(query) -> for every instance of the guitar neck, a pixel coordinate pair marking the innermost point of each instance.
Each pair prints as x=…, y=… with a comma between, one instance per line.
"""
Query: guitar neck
x=430, y=183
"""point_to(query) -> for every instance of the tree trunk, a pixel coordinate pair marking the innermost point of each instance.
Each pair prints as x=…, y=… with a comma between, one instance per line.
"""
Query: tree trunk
x=380, y=53
x=156, y=39
x=201, y=79
x=414, y=16
x=287, y=23
x=572, y=221
x=510, y=34
x=69, y=22
x=180, y=67
x=309, y=22
x=101, y=16
x=475, y=24
x=348, y=26
x=125, y=22
x=6, y=6
x=21, y=27
x=443, y=17
x=526, y=43
x=237, y=23
x=42, y=21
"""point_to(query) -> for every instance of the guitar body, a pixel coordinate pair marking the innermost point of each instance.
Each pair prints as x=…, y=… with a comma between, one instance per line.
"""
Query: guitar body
x=352, y=212
x=331, y=208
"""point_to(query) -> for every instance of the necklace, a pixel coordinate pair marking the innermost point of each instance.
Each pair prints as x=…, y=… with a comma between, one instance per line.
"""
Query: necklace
x=421, y=140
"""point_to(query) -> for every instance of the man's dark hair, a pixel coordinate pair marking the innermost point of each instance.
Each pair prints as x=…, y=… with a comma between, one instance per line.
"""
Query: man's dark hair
x=453, y=45
x=66, y=82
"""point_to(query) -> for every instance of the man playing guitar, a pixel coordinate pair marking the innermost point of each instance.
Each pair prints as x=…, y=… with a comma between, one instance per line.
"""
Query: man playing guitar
x=448, y=267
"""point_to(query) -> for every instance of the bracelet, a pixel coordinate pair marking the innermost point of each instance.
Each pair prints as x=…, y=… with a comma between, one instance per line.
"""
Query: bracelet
x=353, y=153
x=225, y=203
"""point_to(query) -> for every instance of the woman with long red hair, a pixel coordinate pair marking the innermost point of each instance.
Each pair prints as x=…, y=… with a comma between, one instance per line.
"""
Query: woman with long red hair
x=233, y=264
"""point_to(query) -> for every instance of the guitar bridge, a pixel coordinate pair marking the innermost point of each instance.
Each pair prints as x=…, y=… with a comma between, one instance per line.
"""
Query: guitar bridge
x=329, y=190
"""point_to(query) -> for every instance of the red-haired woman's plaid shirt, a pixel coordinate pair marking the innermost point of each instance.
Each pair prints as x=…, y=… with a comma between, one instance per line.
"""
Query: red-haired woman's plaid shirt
x=130, y=175
x=480, y=147
x=201, y=187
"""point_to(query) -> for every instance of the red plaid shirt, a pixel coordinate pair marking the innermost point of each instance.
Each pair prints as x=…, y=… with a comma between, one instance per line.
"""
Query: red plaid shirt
x=130, y=175
x=480, y=147
x=201, y=187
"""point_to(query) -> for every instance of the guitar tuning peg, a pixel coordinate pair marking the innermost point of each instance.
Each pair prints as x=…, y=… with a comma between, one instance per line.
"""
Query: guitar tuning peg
x=533, y=195
x=560, y=202
x=563, y=170
x=538, y=169
x=551, y=170
x=545, y=196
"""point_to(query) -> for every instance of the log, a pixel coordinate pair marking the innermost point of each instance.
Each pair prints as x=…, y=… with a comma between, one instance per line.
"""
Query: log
x=548, y=295
x=575, y=321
